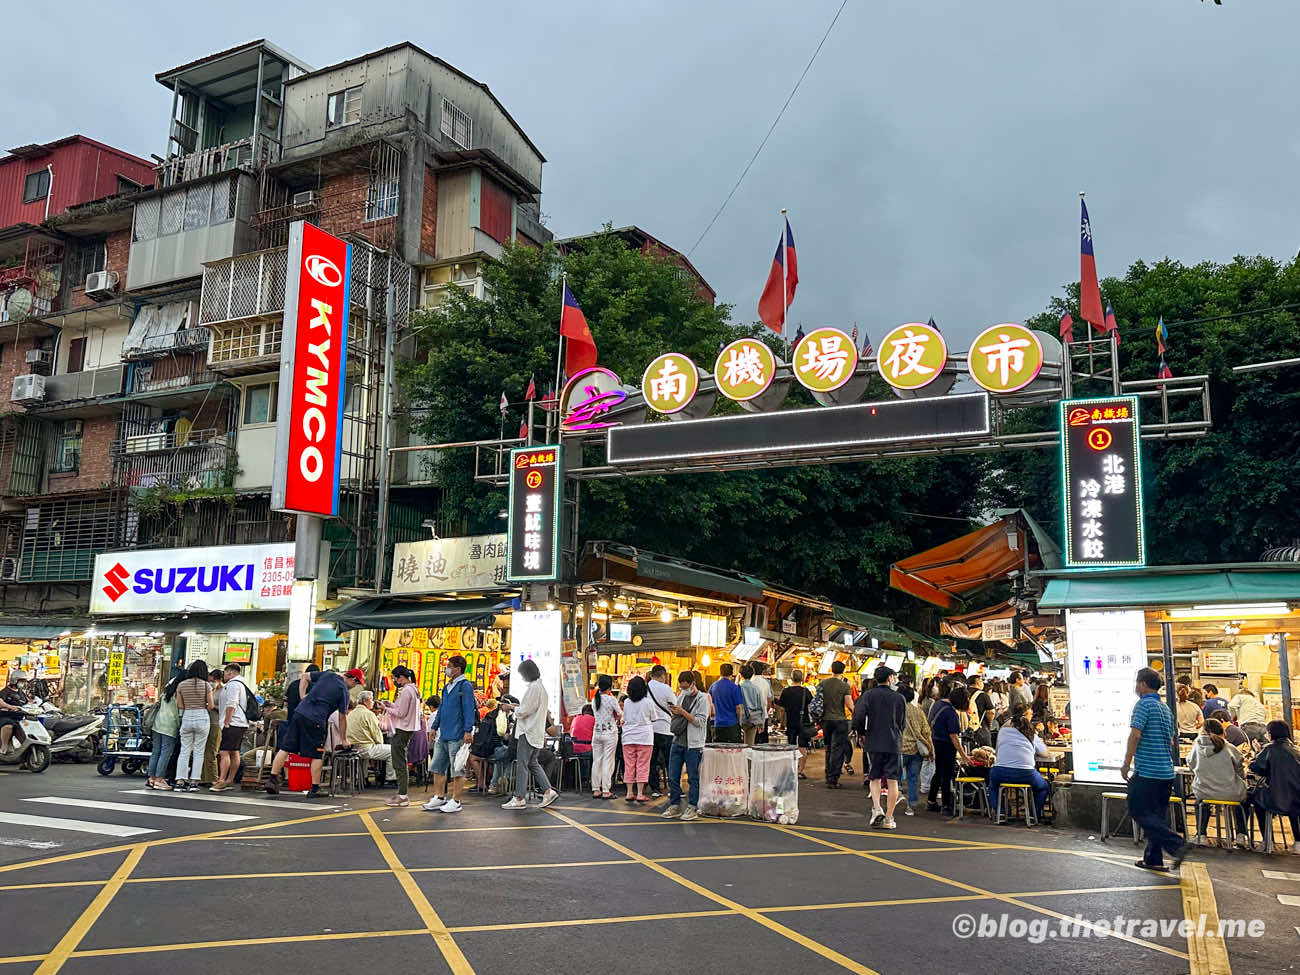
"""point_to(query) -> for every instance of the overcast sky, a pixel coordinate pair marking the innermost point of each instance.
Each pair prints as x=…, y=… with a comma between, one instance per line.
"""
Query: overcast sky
x=930, y=162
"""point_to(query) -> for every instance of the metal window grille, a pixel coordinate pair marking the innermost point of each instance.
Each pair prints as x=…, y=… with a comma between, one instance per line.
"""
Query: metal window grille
x=457, y=125
x=244, y=286
x=146, y=218
x=172, y=218
x=62, y=538
x=381, y=198
x=198, y=203
x=223, y=200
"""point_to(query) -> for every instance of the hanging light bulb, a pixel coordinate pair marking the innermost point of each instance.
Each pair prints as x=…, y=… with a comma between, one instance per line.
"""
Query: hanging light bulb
x=705, y=660
x=802, y=661
x=665, y=615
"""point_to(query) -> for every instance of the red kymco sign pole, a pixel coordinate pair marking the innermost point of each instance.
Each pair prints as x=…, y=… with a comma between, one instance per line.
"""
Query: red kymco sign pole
x=313, y=361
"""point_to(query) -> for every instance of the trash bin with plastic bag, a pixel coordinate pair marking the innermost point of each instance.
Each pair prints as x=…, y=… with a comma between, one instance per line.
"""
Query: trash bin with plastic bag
x=724, y=780
x=774, y=783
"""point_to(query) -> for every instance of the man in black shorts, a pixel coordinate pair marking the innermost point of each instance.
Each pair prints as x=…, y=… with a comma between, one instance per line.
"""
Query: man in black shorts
x=323, y=692
x=794, y=701
x=886, y=712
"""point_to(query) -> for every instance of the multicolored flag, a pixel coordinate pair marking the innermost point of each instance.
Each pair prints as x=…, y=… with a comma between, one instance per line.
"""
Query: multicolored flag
x=1162, y=337
x=531, y=393
x=523, y=429
x=781, y=282
x=1110, y=325
x=855, y=335
x=580, y=351
x=1164, y=372
x=868, y=350
x=548, y=401
x=1067, y=328
x=504, y=405
x=798, y=335
x=1089, y=291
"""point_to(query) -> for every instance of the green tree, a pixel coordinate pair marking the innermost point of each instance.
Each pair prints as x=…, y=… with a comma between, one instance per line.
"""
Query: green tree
x=1226, y=496
x=828, y=530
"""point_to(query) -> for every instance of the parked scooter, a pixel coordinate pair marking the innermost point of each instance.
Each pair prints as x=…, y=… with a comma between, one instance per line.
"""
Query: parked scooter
x=30, y=748
x=75, y=738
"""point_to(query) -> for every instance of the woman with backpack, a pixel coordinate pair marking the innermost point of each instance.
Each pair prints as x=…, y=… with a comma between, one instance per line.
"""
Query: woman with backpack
x=604, y=737
x=166, y=731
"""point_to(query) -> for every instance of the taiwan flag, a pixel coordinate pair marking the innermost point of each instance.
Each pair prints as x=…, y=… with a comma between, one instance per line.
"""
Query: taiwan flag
x=781, y=281
x=1089, y=292
x=580, y=352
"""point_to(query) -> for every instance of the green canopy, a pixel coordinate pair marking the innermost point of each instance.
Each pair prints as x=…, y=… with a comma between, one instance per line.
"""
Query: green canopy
x=394, y=613
x=1173, y=585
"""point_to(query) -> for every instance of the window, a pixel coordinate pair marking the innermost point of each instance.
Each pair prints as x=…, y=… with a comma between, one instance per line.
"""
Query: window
x=77, y=355
x=127, y=185
x=260, y=403
x=84, y=258
x=343, y=108
x=67, y=449
x=381, y=198
x=36, y=186
x=457, y=125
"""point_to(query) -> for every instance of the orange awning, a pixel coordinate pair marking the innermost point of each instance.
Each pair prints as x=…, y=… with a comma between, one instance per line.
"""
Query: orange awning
x=942, y=574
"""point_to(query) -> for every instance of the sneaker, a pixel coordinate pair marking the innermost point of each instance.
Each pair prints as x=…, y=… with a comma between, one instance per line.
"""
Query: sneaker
x=272, y=786
x=397, y=801
x=451, y=806
x=877, y=818
x=314, y=792
x=192, y=787
x=1240, y=842
x=889, y=824
x=434, y=804
x=672, y=812
x=908, y=811
x=550, y=797
x=656, y=795
x=163, y=787
x=1199, y=839
x=690, y=813
x=515, y=803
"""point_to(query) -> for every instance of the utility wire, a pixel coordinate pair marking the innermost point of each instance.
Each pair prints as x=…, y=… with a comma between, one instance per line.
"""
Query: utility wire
x=1235, y=314
x=771, y=129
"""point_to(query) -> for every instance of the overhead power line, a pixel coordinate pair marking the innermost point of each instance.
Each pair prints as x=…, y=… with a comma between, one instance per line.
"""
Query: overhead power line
x=771, y=128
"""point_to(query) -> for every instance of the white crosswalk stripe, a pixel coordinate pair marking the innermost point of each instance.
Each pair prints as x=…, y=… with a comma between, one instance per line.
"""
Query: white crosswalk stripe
x=143, y=809
x=1288, y=900
x=1279, y=875
x=222, y=797
x=75, y=825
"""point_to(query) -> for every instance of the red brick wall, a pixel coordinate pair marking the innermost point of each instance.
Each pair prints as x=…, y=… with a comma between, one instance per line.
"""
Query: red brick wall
x=429, y=213
x=97, y=437
x=343, y=209
x=13, y=363
x=524, y=240
x=117, y=251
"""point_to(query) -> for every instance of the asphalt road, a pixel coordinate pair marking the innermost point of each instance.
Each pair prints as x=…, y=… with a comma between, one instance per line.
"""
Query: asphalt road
x=590, y=887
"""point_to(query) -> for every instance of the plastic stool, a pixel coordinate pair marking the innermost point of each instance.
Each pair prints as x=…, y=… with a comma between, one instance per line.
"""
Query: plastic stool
x=1106, y=799
x=1011, y=792
x=979, y=788
x=1218, y=806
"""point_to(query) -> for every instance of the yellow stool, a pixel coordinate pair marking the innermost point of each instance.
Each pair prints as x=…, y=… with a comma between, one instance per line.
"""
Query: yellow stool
x=1011, y=791
x=1219, y=806
x=979, y=788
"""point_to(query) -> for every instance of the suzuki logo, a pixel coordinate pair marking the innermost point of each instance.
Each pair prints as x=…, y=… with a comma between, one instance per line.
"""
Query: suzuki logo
x=116, y=577
x=323, y=270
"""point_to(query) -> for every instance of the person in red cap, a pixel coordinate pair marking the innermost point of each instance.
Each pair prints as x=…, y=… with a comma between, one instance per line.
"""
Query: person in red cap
x=323, y=692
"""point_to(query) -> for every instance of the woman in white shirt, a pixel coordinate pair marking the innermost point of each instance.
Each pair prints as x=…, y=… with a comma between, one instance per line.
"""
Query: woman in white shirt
x=604, y=737
x=530, y=735
x=638, y=738
x=1018, y=748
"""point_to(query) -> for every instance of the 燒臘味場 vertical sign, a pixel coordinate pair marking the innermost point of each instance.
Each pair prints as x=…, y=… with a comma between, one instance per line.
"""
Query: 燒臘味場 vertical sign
x=313, y=362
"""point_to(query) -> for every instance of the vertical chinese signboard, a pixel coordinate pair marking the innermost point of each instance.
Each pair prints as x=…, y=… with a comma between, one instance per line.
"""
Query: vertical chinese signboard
x=1101, y=479
x=536, y=481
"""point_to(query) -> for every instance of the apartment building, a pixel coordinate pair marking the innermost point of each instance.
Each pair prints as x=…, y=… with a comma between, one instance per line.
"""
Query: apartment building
x=171, y=372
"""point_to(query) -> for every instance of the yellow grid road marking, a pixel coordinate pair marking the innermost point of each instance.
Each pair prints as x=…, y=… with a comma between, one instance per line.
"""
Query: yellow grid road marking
x=451, y=952
x=72, y=937
x=583, y=922
x=247, y=942
x=1207, y=953
x=815, y=946
x=1005, y=898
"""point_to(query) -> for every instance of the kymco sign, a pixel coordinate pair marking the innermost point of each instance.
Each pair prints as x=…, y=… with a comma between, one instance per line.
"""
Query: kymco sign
x=313, y=360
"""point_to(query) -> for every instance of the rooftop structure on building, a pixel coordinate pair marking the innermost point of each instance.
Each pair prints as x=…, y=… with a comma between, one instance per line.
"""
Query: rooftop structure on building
x=646, y=243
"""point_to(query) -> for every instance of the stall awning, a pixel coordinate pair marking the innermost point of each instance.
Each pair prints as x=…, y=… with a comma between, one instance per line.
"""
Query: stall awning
x=16, y=631
x=394, y=613
x=941, y=575
x=1167, y=586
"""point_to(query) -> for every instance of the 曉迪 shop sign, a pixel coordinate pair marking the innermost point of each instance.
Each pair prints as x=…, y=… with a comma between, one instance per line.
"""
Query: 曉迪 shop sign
x=313, y=361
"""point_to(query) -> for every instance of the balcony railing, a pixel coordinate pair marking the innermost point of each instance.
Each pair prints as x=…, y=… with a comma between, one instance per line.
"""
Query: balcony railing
x=90, y=384
x=243, y=287
x=249, y=153
x=149, y=378
x=181, y=340
x=200, y=462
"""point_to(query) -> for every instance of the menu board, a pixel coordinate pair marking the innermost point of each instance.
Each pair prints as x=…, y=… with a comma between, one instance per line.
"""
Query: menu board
x=1106, y=650
x=537, y=637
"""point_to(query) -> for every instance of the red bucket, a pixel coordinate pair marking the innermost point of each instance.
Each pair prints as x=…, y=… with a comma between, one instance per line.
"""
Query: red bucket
x=298, y=770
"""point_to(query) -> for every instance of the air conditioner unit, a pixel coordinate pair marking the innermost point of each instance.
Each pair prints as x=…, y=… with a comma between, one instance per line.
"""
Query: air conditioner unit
x=8, y=569
x=28, y=389
x=39, y=357
x=306, y=200
x=101, y=284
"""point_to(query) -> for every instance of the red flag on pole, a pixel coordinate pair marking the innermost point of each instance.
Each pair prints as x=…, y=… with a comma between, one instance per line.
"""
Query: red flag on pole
x=781, y=282
x=531, y=393
x=1089, y=292
x=504, y=405
x=523, y=429
x=1067, y=328
x=1109, y=324
x=580, y=352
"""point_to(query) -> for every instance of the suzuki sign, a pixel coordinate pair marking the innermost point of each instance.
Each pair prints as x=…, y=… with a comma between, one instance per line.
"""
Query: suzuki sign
x=229, y=578
x=313, y=363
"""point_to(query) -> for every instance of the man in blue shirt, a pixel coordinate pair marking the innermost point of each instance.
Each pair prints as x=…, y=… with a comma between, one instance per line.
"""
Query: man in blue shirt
x=1149, y=768
x=727, y=706
x=1212, y=701
x=322, y=692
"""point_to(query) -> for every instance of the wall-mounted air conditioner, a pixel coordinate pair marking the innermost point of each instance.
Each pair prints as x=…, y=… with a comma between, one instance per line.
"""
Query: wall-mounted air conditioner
x=28, y=389
x=101, y=284
x=306, y=200
x=39, y=357
x=8, y=569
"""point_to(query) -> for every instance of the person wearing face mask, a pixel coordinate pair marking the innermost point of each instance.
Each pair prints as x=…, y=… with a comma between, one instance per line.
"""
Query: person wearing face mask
x=885, y=714
x=454, y=725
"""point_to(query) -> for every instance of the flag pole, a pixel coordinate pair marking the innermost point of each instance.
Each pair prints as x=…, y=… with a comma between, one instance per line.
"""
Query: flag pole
x=785, y=273
x=559, y=361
